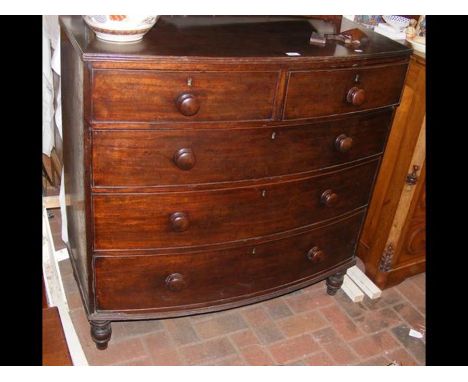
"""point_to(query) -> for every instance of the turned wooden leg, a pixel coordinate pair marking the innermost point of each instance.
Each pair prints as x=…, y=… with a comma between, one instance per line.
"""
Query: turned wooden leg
x=334, y=282
x=101, y=332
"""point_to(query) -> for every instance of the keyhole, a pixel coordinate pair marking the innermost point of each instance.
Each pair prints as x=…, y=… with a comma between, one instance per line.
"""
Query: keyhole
x=356, y=79
x=189, y=81
x=273, y=135
x=253, y=251
x=263, y=193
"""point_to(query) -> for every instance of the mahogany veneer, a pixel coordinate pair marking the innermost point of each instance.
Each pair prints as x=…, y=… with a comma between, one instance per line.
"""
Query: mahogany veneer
x=55, y=350
x=206, y=169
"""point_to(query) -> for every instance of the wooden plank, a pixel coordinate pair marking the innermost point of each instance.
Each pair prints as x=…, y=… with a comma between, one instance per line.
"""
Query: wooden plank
x=363, y=282
x=402, y=211
x=55, y=351
x=350, y=288
x=55, y=292
x=51, y=201
x=62, y=254
x=52, y=278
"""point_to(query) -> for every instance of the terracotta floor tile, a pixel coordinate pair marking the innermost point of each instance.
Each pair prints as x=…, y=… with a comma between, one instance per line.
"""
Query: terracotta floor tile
x=74, y=300
x=145, y=361
x=256, y=355
x=220, y=325
x=207, y=351
x=402, y=357
x=374, y=344
x=126, y=329
x=256, y=315
x=69, y=284
x=235, y=360
x=420, y=281
x=301, y=323
x=375, y=361
x=181, y=330
x=341, y=353
x=413, y=295
x=388, y=298
x=309, y=301
x=82, y=327
x=314, y=287
x=293, y=348
x=353, y=309
x=65, y=267
x=244, y=338
x=378, y=320
x=319, y=359
x=162, y=349
x=414, y=319
x=347, y=329
x=277, y=308
x=116, y=353
x=325, y=336
x=268, y=333
x=299, y=362
x=414, y=345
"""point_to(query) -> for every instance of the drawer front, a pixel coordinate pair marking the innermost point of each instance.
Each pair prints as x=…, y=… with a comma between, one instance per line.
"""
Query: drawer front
x=165, y=282
x=328, y=92
x=184, y=219
x=152, y=96
x=180, y=157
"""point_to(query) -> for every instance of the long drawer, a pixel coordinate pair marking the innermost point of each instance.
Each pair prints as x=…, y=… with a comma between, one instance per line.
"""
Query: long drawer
x=181, y=157
x=184, y=219
x=327, y=92
x=156, y=96
x=190, y=280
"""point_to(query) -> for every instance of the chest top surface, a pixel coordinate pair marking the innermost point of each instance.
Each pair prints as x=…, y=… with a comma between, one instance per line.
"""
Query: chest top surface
x=228, y=38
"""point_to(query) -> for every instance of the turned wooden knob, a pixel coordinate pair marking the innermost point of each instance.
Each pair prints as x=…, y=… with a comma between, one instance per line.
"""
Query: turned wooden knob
x=175, y=282
x=184, y=159
x=329, y=198
x=343, y=143
x=356, y=96
x=179, y=221
x=187, y=104
x=315, y=255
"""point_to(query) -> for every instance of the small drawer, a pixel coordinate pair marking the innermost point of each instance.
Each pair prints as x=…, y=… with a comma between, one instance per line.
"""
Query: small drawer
x=183, y=157
x=158, y=96
x=192, y=280
x=197, y=218
x=328, y=92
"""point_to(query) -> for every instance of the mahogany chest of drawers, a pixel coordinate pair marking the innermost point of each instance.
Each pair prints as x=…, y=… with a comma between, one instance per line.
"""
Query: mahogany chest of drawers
x=206, y=168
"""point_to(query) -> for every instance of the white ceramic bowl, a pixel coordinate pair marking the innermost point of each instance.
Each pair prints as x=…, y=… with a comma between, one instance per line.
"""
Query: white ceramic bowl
x=398, y=22
x=120, y=28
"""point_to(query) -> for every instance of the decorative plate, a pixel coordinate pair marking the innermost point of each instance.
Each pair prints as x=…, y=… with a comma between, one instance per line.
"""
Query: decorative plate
x=120, y=28
x=397, y=22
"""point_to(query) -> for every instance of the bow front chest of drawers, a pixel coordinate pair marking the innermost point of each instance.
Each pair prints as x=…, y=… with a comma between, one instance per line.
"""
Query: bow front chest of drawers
x=207, y=168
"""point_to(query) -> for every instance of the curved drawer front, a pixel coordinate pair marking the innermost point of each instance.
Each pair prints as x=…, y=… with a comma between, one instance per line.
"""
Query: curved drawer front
x=165, y=282
x=180, y=157
x=156, y=96
x=328, y=92
x=182, y=219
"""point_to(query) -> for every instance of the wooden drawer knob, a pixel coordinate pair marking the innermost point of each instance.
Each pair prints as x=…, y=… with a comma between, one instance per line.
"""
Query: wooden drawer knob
x=179, y=221
x=175, y=282
x=343, y=143
x=315, y=255
x=329, y=198
x=356, y=96
x=184, y=159
x=187, y=104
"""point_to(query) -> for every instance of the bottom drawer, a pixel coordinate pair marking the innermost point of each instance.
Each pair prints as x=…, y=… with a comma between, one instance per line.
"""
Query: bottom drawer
x=195, y=280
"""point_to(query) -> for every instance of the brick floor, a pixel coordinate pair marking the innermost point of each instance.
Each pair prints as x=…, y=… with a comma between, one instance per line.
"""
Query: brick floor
x=306, y=327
